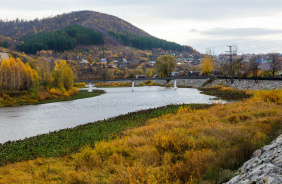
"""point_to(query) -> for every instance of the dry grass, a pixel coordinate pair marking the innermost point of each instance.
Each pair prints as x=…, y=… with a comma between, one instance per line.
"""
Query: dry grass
x=187, y=147
x=224, y=88
x=113, y=84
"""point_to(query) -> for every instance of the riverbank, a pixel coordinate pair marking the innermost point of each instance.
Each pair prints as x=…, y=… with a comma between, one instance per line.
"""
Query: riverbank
x=25, y=98
x=264, y=167
x=186, y=146
x=68, y=141
x=226, y=93
x=248, y=84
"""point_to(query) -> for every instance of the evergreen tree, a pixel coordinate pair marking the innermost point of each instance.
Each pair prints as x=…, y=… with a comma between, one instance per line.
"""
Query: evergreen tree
x=146, y=42
x=60, y=40
x=5, y=44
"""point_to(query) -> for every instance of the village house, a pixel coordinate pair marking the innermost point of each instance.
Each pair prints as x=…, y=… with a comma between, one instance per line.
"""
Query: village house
x=4, y=56
x=84, y=61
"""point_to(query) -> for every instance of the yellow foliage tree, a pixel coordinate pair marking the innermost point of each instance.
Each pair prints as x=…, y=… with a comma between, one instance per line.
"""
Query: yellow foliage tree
x=15, y=75
x=43, y=67
x=68, y=78
x=149, y=72
x=207, y=64
x=62, y=76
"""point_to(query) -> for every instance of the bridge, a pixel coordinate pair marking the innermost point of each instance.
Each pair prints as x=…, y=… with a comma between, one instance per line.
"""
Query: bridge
x=142, y=79
x=276, y=82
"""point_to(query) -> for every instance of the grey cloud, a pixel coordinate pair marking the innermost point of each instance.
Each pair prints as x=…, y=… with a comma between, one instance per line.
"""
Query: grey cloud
x=220, y=46
x=210, y=10
x=244, y=45
x=240, y=32
x=193, y=30
x=177, y=9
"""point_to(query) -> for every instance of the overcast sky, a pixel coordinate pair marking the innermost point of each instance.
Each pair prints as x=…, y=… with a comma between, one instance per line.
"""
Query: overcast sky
x=255, y=26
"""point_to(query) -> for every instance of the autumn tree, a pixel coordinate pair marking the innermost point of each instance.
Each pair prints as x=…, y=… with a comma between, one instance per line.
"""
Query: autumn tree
x=275, y=63
x=68, y=78
x=62, y=76
x=43, y=67
x=140, y=69
x=129, y=73
x=149, y=72
x=165, y=65
x=15, y=75
x=119, y=73
x=105, y=73
x=207, y=64
x=90, y=60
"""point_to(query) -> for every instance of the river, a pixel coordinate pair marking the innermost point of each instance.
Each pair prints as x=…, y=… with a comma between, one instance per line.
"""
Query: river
x=26, y=121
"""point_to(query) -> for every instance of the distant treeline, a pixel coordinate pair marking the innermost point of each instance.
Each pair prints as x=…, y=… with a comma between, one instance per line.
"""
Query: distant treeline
x=146, y=42
x=60, y=40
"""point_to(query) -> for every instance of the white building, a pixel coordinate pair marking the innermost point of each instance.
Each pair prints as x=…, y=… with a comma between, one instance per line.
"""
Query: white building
x=4, y=56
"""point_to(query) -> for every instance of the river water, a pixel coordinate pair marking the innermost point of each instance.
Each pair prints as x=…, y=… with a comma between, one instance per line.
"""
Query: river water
x=26, y=121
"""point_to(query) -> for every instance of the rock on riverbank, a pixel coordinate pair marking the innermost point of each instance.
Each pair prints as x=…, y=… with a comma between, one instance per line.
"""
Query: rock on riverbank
x=264, y=168
x=249, y=84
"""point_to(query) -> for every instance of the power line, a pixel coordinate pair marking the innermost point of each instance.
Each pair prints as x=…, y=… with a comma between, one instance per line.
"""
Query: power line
x=230, y=53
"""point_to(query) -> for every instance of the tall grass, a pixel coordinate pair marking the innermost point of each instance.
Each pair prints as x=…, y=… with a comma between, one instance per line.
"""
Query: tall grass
x=274, y=96
x=189, y=146
x=227, y=93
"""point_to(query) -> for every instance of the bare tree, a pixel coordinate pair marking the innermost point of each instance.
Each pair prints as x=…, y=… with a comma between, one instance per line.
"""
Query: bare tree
x=105, y=73
x=238, y=64
x=275, y=63
x=129, y=56
x=254, y=65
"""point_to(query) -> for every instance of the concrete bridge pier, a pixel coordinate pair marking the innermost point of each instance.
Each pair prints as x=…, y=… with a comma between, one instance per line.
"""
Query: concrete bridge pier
x=175, y=86
x=90, y=88
x=132, y=86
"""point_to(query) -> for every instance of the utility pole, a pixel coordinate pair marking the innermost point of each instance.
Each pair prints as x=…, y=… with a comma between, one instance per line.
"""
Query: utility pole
x=230, y=53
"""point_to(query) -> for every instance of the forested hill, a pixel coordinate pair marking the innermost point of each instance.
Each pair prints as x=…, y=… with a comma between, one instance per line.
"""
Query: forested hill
x=96, y=21
x=45, y=33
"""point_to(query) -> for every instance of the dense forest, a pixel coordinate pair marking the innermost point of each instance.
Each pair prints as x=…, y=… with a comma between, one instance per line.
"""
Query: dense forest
x=146, y=42
x=60, y=40
x=96, y=21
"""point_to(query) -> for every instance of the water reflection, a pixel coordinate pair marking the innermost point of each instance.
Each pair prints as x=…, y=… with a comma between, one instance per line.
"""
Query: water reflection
x=26, y=121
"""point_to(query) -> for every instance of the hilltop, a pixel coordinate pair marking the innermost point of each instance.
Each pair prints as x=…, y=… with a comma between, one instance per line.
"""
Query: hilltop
x=115, y=31
x=96, y=21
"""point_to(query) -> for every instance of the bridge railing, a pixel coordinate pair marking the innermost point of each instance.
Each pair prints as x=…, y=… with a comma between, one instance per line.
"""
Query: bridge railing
x=279, y=78
x=253, y=78
x=144, y=79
